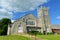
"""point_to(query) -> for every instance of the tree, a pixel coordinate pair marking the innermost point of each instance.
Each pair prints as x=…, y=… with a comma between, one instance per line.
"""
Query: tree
x=5, y=21
x=4, y=25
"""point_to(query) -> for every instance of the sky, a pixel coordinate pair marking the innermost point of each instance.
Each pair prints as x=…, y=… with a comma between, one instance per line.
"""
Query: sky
x=15, y=9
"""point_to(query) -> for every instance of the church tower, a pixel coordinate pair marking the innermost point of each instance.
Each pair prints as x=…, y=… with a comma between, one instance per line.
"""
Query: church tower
x=43, y=20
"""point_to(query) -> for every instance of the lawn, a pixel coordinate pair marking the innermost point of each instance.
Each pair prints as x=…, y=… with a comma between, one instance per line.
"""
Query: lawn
x=49, y=37
x=15, y=37
x=43, y=37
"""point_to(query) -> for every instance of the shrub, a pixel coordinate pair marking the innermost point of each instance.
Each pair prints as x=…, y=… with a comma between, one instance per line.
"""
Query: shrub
x=50, y=33
x=39, y=33
x=35, y=33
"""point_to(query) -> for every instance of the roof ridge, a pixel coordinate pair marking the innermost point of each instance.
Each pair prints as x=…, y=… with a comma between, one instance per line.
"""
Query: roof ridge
x=22, y=16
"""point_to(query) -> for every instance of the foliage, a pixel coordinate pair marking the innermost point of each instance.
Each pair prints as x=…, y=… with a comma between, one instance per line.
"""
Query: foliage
x=35, y=33
x=39, y=33
x=4, y=25
x=5, y=21
x=50, y=33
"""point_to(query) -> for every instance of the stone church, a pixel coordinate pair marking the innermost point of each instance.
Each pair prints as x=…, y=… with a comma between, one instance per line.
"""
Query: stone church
x=30, y=23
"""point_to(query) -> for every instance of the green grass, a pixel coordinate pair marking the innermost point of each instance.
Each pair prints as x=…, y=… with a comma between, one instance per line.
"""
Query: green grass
x=15, y=37
x=43, y=37
x=49, y=37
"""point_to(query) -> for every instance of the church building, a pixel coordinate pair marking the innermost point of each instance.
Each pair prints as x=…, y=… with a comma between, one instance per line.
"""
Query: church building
x=30, y=23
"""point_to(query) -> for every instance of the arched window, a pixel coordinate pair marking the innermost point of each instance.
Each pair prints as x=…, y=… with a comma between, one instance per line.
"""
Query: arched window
x=20, y=28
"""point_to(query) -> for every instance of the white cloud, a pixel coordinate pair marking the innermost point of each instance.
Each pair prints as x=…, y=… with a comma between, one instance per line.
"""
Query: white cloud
x=5, y=14
x=21, y=5
x=12, y=21
x=58, y=17
x=18, y=5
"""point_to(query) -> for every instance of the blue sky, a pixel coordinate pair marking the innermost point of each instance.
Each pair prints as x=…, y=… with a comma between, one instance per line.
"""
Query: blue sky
x=14, y=9
x=54, y=11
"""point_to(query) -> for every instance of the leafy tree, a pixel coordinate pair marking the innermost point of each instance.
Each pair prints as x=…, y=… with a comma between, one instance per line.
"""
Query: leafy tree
x=4, y=25
x=5, y=21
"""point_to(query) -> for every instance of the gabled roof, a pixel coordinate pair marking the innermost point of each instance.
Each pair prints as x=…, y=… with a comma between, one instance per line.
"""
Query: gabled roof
x=24, y=16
